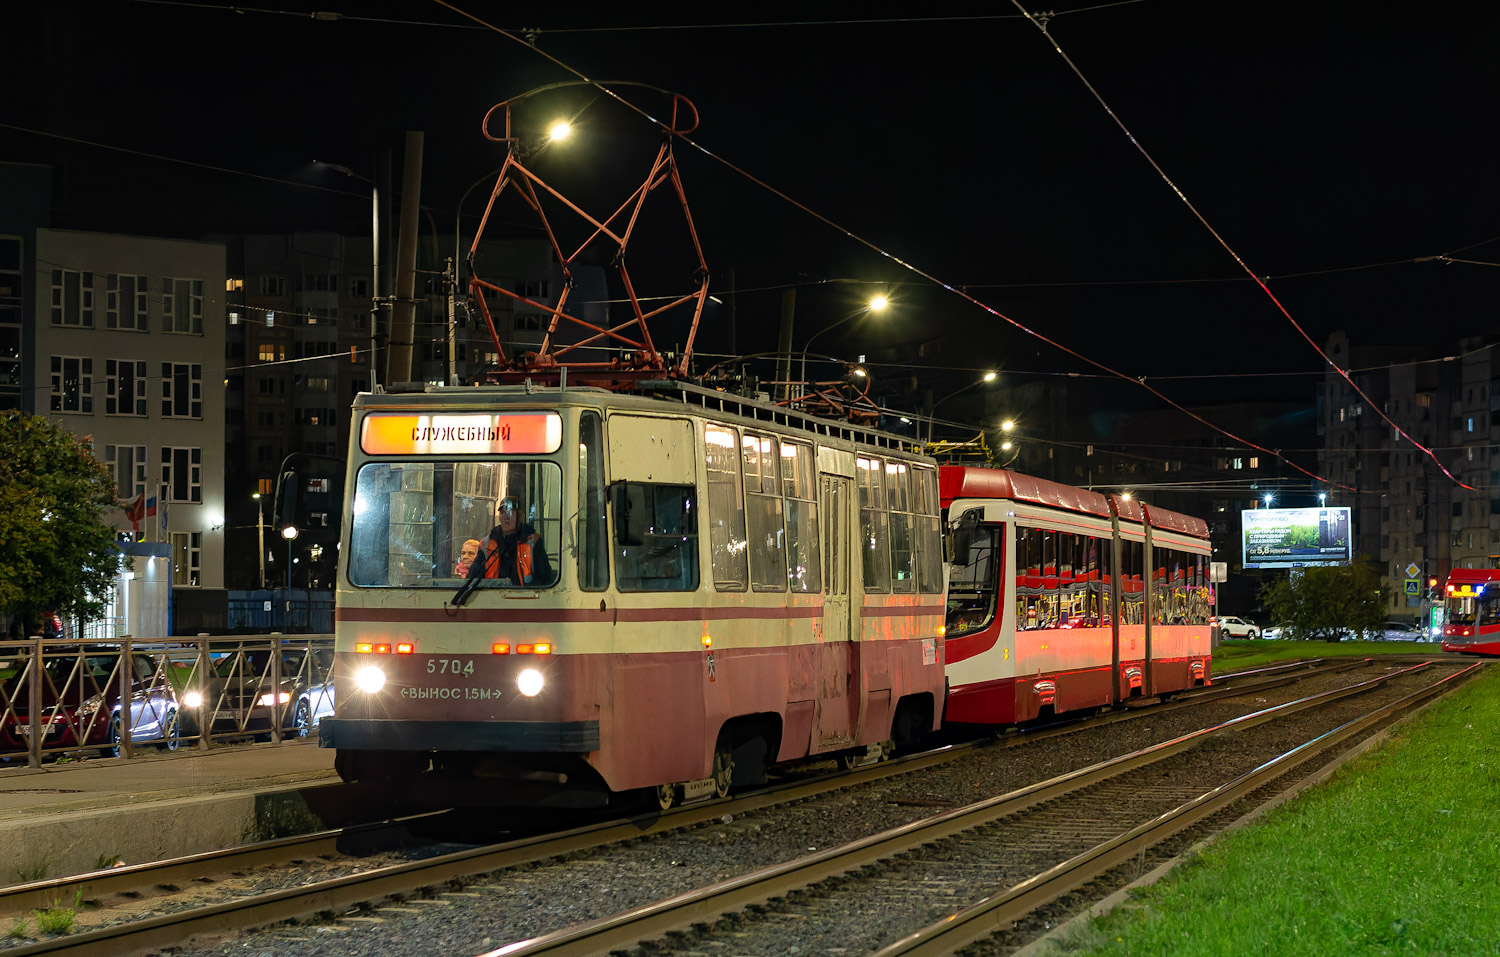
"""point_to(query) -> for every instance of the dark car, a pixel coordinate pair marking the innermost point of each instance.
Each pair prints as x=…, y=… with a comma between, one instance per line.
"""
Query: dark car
x=81, y=702
x=244, y=693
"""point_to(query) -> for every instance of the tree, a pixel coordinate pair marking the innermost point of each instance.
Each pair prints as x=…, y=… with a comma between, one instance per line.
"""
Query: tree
x=56, y=552
x=1329, y=603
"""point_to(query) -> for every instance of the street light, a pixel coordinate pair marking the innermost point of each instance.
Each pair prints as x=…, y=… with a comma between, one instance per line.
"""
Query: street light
x=260, y=531
x=877, y=303
x=932, y=409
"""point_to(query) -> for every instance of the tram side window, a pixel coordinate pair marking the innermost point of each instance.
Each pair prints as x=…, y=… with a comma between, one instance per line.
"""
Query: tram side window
x=1132, y=594
x=726, y=508
x=763, y=512
x=804, y=563
x=928, y=531
x=592, y=532
x=1035, y=604
x=973, y=589
x=1169, y=591
x=874, y=525
x=656, y=537
x=903, y=558
x=1489, y=612
x=1092, y=578
x=1198, y=590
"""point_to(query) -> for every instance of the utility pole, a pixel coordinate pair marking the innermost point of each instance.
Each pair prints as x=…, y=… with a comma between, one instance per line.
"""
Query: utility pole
x=260, y=531
x=403, y=322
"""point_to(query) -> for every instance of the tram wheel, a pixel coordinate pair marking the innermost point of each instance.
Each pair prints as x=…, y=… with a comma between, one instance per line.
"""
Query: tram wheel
x=666, y=796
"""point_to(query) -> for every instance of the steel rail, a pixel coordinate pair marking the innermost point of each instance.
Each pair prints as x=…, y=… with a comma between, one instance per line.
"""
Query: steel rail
x=339, y=894
x=1003, y=910
x=704, y=905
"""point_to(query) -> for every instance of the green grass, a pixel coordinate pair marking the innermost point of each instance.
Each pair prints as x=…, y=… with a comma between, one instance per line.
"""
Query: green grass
x=1242, y=654
x=1397, y=854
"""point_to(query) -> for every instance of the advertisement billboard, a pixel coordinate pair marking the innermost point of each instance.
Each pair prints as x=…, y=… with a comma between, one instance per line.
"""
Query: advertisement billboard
x=1296, y=537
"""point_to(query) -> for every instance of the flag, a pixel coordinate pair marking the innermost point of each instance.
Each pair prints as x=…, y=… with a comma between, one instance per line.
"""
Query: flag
x=150, y=508
x=163, y=515
x=136, y=510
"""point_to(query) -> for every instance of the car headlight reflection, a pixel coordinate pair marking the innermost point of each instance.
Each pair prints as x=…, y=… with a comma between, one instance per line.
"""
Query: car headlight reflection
x=530, y=682
x=266, y=700
x=369, y=679
x=193, y=699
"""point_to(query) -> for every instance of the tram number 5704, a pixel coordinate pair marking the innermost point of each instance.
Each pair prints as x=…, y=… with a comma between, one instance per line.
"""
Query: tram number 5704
x=449, y=666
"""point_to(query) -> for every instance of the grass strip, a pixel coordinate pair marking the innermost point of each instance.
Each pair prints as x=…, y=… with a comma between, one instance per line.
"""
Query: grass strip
x=1245, y=653
x=1395, y=854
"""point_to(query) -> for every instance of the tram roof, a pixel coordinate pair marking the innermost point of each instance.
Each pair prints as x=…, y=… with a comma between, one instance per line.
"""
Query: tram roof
x=963, y=481
x=694, y=396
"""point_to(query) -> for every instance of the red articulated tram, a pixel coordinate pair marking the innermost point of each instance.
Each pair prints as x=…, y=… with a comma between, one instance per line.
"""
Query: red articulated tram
x=1062, y=599
x=1472, y=623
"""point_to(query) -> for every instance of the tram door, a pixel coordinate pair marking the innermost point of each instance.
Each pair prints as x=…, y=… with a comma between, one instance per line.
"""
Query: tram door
x=837, y=714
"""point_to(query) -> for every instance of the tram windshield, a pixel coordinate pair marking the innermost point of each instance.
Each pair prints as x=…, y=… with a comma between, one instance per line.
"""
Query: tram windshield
x=411, y=519
x=973, y=587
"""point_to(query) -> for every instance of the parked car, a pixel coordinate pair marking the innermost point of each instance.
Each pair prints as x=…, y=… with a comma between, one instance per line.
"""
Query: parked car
x=82, y=706
x=240, y=696
x=1402, y=631
x=1272, y=632
x=1232, y=627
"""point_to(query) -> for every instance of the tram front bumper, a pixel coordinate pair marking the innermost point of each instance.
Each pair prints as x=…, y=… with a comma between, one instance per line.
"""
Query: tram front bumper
x=390, y=734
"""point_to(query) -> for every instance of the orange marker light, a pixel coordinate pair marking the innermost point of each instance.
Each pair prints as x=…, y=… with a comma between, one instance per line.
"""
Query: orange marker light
x=708, y=641
x=542, y=648
x=382, y=649
x=364, y=647
x=405, y=648
x=500, y=648
x=523, y=649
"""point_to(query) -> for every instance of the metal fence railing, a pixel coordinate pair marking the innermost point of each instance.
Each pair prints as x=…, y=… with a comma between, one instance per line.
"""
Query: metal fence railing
x=63, y=697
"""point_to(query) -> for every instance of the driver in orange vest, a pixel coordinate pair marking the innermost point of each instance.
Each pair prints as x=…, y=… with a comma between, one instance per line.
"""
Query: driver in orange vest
x=512, y=550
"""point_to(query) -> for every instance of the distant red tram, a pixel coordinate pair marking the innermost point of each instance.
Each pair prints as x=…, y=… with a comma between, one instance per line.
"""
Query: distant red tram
x=1061, y=599
x=1472, y=623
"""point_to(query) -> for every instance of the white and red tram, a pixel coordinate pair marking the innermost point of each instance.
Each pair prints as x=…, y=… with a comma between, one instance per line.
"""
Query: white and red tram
x=732, y=585
x=1061, y=599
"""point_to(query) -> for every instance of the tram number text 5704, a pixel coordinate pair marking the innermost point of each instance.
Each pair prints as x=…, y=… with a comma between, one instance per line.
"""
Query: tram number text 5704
x=449, y=666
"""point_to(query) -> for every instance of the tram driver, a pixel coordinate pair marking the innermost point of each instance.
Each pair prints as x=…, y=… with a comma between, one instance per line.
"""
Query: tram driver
x=512, y=552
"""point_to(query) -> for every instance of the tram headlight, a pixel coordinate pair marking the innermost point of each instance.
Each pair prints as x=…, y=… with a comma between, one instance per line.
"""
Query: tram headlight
x=369, y=679
x=530, y=682
x=193, y=699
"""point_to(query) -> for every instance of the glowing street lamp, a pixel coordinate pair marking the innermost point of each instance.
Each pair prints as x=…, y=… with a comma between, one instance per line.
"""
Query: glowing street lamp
x=989, y=376
x=877, y=303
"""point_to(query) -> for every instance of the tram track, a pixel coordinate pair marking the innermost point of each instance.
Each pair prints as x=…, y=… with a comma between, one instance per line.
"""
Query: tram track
x=362, y=890
x=998, y=841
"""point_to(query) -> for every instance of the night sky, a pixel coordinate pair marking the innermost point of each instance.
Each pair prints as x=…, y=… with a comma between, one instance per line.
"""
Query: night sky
x=1320, y=141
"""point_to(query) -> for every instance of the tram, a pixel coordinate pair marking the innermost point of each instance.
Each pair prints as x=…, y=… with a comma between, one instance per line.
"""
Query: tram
x=725, y=585
x=1471, y=623
x=1063, y=599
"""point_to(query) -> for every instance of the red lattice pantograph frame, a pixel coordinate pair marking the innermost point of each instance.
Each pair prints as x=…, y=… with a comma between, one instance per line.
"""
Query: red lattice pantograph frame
x=637, y=356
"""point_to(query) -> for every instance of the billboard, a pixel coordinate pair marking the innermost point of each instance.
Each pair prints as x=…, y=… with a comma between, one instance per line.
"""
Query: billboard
x=1295, y=537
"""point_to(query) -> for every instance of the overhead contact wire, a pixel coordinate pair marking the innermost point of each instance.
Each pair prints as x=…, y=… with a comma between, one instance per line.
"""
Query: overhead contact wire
x=1041, y=24
x=910, y=267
